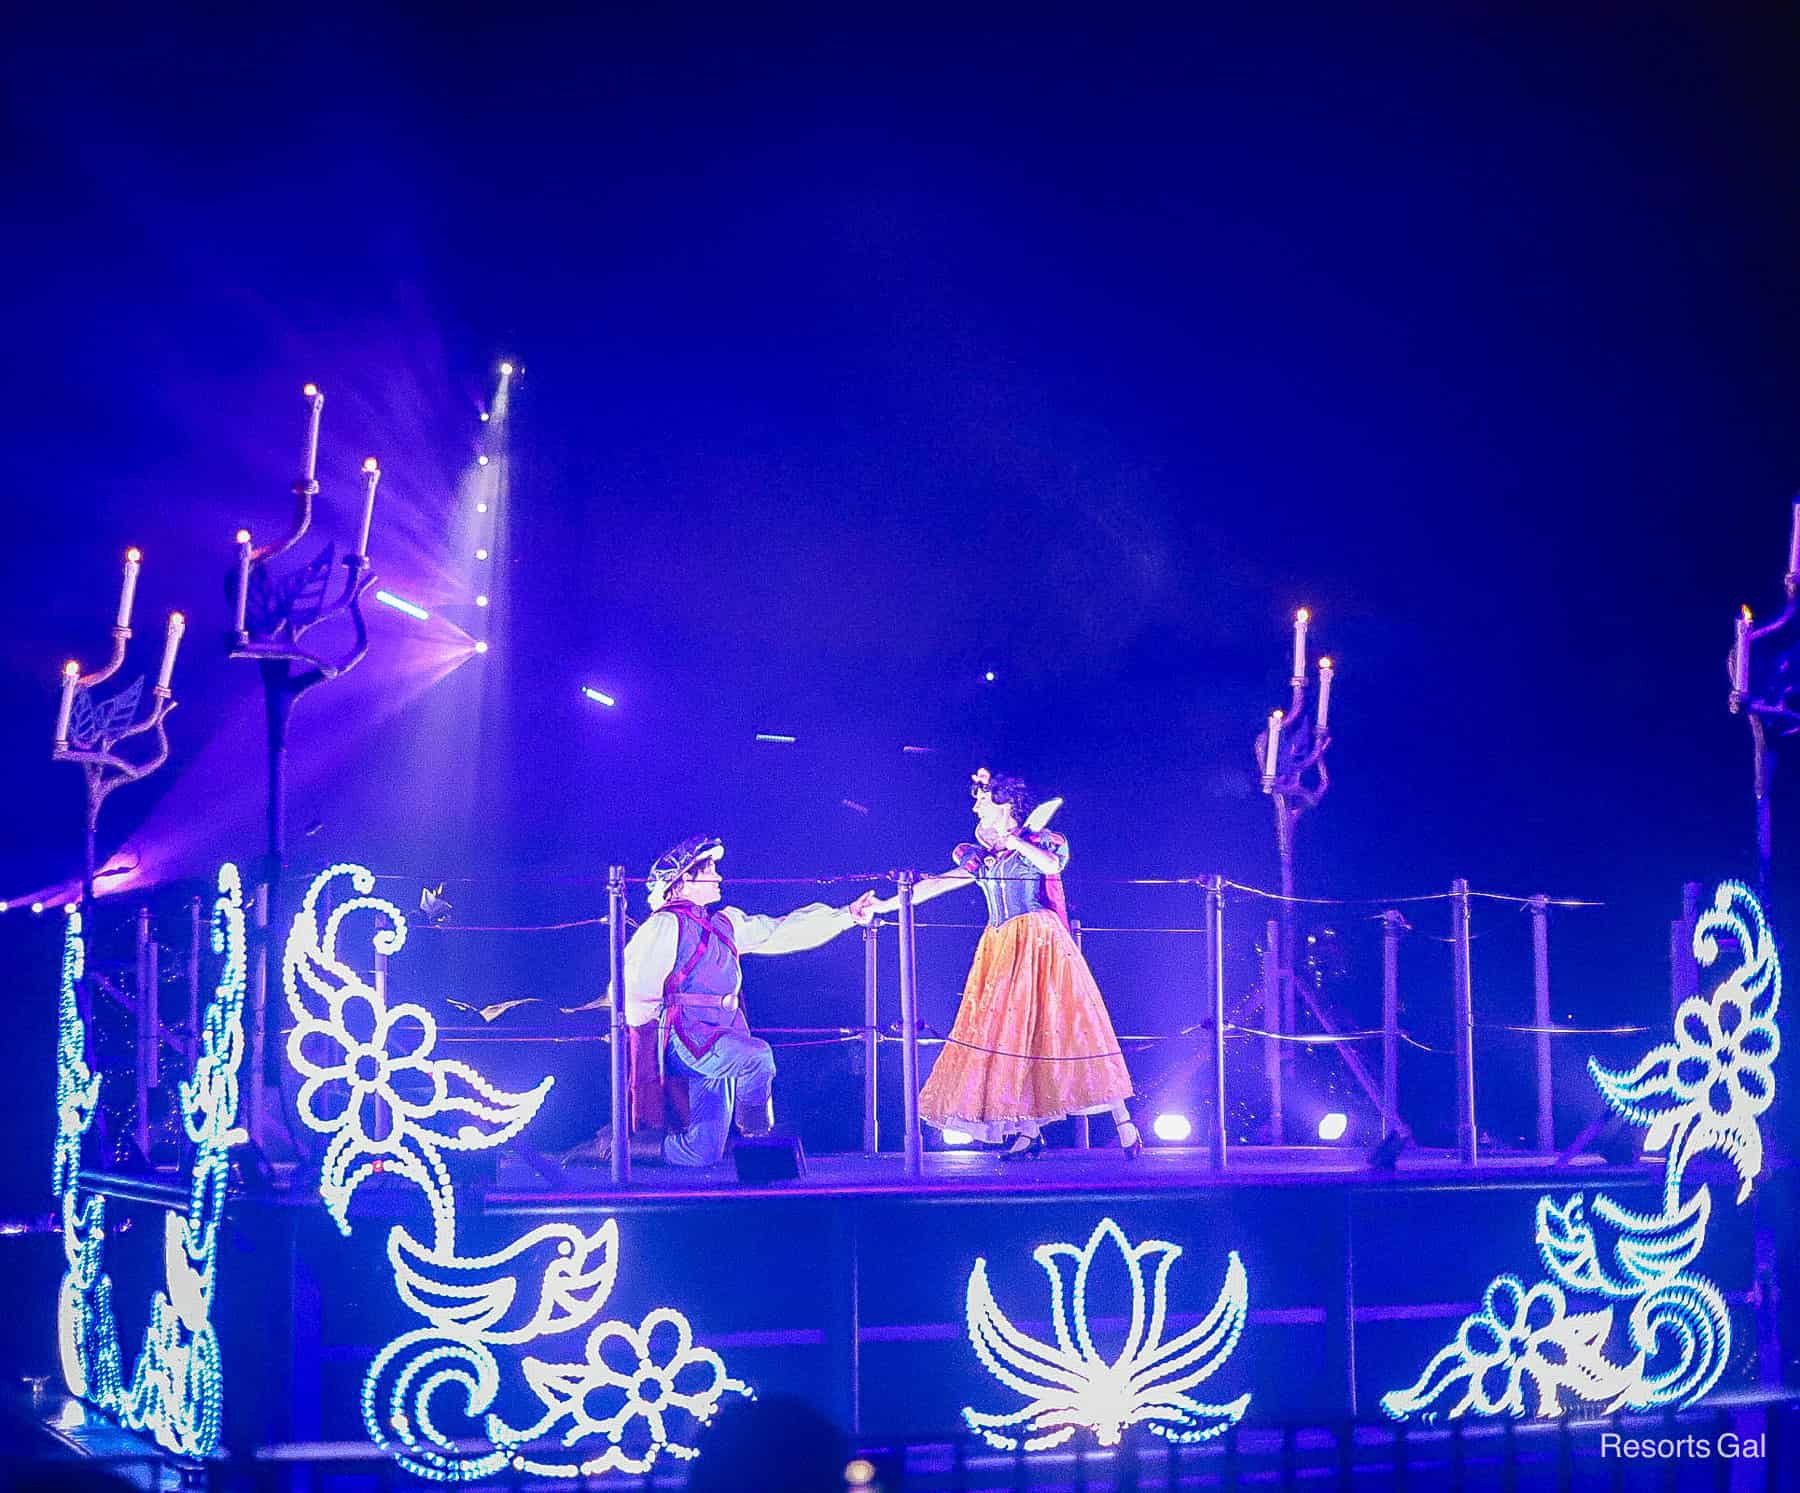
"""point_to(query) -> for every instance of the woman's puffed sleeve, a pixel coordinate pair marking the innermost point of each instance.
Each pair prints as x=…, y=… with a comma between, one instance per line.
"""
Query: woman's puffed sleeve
x=967, y=857
x=1051, y=843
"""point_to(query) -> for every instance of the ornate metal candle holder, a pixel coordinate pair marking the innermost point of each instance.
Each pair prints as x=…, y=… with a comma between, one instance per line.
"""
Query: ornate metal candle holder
x=93, y=732
x=1764, y=673
x=1290, y=756
x=274, y=616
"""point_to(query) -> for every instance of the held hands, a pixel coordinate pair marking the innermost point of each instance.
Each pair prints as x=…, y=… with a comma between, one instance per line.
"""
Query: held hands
x=863, y=910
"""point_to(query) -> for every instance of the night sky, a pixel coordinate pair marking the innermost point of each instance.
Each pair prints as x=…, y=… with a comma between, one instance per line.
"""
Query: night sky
x=865, y=355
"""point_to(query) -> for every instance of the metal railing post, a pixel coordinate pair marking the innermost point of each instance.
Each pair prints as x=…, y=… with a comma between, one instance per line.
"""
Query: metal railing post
x=1463, y=1021
x=146, y=1033
x=193, y=982
x=1271, y=1024
x=621, y=1034
x=1392, y=926
x=1215, y=989
x=1540, y=1018
x=871, y=1039
x=909, y=1027
x=1083, y=1131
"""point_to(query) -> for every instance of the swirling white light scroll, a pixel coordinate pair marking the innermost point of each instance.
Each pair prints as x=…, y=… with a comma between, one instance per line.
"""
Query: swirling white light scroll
x=1524, y=1353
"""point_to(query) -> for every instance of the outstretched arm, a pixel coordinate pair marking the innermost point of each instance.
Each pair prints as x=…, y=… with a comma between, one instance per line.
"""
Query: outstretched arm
x=804, y=928
x=927, y=888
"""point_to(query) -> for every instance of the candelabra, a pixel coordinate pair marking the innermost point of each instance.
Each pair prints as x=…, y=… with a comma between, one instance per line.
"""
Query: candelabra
x=92, y=732
x=1763, y=691
x=1290, y=754
x=272, y=620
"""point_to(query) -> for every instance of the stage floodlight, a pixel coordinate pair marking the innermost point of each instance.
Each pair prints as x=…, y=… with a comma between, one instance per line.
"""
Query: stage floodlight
x=1172, y=1127
x=481, y=554
x=481, y=601
x=481, y=647
x=956, y=1137
x=775, y=736
x=599, y=697
x=1333, y=1125
x=989, y=676
x=481, y=461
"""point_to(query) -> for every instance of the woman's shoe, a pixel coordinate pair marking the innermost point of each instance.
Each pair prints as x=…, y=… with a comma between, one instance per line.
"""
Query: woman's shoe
x=1024, y=1147
x=1130, y=1141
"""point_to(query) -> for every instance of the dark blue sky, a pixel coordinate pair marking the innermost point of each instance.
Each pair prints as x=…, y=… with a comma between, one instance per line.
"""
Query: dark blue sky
x=863, y=358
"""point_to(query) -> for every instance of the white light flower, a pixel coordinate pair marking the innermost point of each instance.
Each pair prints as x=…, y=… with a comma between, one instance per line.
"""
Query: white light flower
x=371, y=1082
x=1070, y=1385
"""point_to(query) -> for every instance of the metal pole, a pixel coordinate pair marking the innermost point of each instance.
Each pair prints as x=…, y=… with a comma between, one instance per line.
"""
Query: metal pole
x=256, y=1067
x=193, y=982
x=909, y=1027
x=1271, y=1021
x=1215, y=983
x=1083, y=1132
x=1392, y=926
x=1540, y=1018
x=871, y=1040
x=146, y=1036
x=1463, y=1000
x=621, y=1034
x=1684, y=973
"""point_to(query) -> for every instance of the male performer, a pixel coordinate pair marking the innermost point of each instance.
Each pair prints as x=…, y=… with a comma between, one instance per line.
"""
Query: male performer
x=682, y=971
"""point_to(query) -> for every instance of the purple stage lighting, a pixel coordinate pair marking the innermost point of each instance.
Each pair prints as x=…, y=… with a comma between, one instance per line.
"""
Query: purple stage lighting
x=597, y=696
x=1172, y=1127
x=401, y=604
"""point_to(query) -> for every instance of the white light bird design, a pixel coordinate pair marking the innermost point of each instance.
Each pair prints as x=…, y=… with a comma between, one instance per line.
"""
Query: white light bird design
x=1070, y=1385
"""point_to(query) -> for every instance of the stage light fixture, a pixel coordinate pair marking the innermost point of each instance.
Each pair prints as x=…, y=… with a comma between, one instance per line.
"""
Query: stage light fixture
x=481, y=647
x=5, y=906
x=481, y=461
x=1172, y=1127
x=481, y=601
x=957, y=1137
x=597, y=696
x=481, y=554
x=481, y=507
x=989, y=676
x=37, y=906
x=916, y=750
x=1333, y=1125
x=484, y=417
x=775, y=736
x=401, y=604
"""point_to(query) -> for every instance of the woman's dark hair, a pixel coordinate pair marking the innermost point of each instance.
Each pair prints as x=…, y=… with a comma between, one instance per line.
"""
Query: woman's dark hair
x=1008, y=790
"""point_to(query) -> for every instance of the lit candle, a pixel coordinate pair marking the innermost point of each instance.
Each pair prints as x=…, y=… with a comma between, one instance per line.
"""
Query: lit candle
x=1740, y=655
x=1301, y=618
x=71, y=676
x=315, y=400
x=1272, y=745
x=128, y=592
x=243, y=579
x=1794, y=543
x=1325, y=673
x=371, y=476
x=177, y=626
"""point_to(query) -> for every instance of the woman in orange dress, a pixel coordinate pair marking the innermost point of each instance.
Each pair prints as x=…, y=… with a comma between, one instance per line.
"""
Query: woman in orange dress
x=1032, y=1041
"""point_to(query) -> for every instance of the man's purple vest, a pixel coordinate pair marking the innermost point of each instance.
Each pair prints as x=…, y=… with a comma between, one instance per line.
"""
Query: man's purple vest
x=700, y=996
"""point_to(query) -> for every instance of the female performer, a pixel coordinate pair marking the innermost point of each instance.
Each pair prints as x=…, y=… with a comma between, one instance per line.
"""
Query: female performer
x=1032, y=1041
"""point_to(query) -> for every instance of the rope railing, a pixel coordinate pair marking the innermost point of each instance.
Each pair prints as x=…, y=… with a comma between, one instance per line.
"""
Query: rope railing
x=1212, y=1033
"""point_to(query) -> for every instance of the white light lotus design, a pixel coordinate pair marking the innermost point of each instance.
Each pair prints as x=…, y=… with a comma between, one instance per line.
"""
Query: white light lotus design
x=1070, y=1386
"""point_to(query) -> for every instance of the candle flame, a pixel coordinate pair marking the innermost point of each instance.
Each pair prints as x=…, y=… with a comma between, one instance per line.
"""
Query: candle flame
x=243, y=536
x=311, y=391
x=1746, y=612
x=370, y=464
x=506, y=369
x=1278, y=715
x=177, y=620
x=1303, y=615
x=71, y=669
x=1326, y=664
x=132, y=556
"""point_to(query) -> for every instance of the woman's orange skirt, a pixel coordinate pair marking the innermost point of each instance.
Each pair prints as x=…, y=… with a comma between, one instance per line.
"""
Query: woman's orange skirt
x=1032, y=1041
